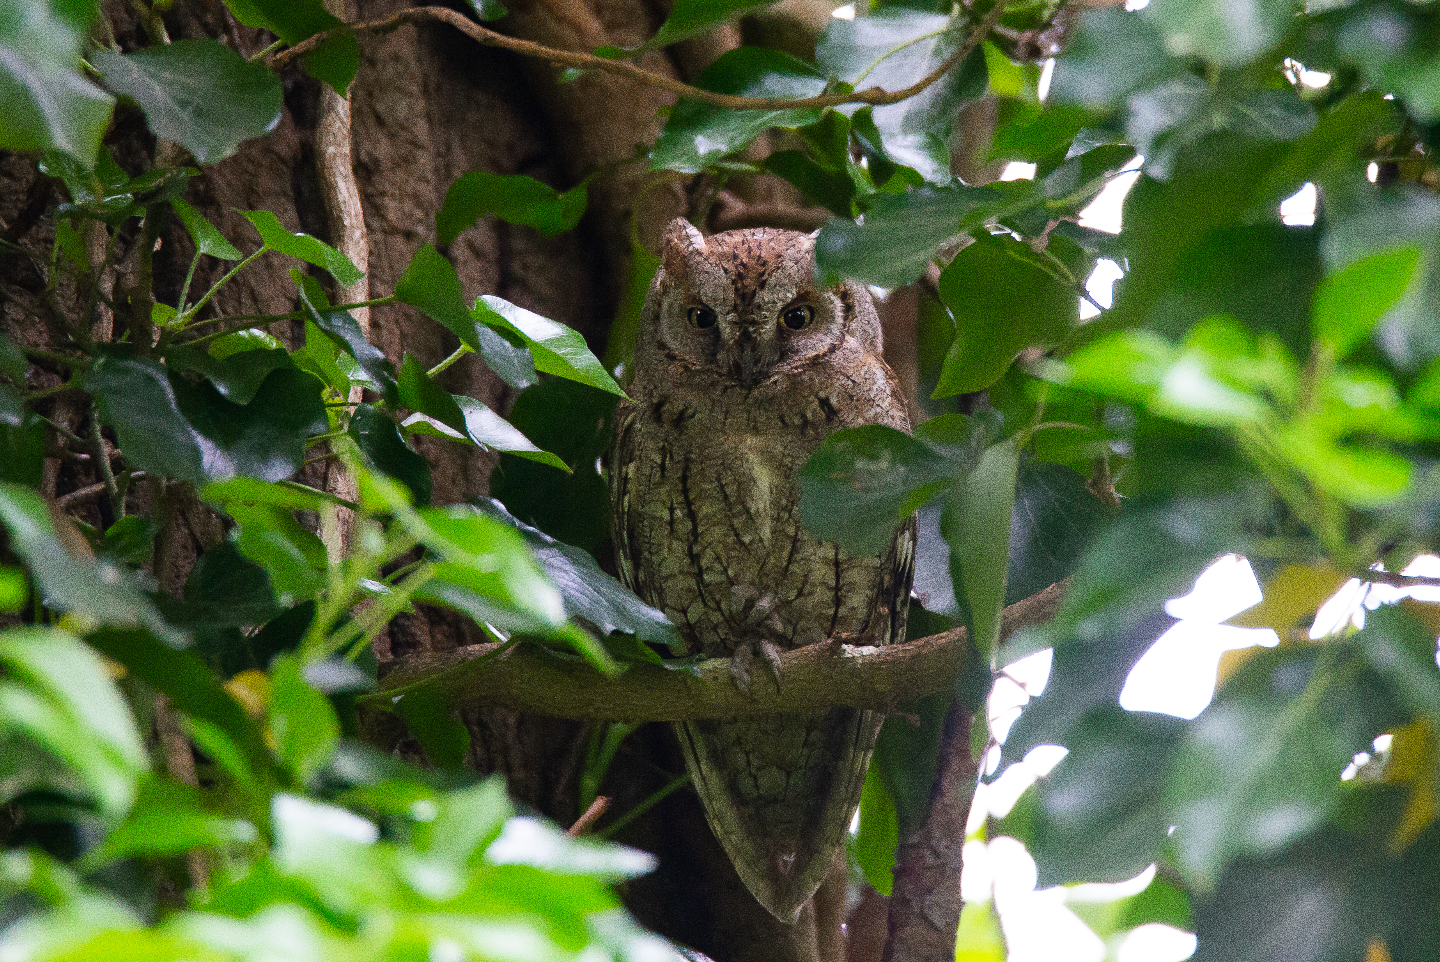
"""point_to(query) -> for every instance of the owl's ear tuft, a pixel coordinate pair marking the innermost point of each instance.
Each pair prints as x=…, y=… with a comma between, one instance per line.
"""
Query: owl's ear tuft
x=680, y=244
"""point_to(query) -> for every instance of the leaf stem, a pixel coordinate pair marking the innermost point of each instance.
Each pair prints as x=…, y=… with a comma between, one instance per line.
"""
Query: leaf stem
x=460, y=352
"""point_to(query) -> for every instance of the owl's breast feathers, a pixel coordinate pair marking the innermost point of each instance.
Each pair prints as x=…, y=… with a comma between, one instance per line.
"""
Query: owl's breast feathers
x=707, y=526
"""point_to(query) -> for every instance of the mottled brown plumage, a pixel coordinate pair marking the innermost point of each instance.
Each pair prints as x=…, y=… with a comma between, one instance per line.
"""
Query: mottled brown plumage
x=743, y=364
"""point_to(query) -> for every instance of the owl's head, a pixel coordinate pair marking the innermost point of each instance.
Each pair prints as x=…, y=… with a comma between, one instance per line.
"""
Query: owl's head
x=745, y=305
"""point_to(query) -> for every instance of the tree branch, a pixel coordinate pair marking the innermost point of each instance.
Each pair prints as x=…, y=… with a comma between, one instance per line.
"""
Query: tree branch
x=531, y=679
x=624, y=68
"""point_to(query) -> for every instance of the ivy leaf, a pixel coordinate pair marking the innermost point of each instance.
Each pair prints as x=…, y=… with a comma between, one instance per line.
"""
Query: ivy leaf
x=589, y=593
x=199, y=93
x=334, y=61
x=101, y=592
x=48, y=104
x=383, y=446
x=1350, y=303
x=901, y=234
x=487, y=428
x=431, y=284
x=861, y=483
x=419, y=392
x=207, y=237
x=344, y=330
x=1225, y=32
x=976, y=524
x=513, y=198
x=698, y=135
x=689, y=18
x=1004, y=298
x=308, y=249
x=557, y=349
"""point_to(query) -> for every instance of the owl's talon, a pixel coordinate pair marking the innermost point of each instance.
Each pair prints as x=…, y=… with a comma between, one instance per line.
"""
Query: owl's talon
x=740, y=667
x=771, y=655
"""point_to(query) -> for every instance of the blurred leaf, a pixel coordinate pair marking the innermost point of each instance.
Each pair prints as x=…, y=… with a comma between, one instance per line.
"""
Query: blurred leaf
x=976, y=524
x=226, y=588
x=1413, y=761
x=900, y=236
x=906, y=754
x=1258, y=769
x=879, y=834
x=198, y=92
x=515, y=199
x=698, y=135
x=1054, y=520
x=14, y=589
x=1293, y=592
x=100, y=592
x=689, y=18
x=1226, y=32
x=587, y=592
x=488, y=9
x=130, y=540
x=334, y=61
x=58, y=693
x=529, y=841
x=301, y=722
x=170, y=818
x=1110, y=53
x=557, y=349
x=207, y=237
x=48, y=104
x=291, y=556
x=1402, y=650
x=444, y=739
x=1004, y=298
x=979, y=938
x=303, y=246
x=467, y=822
x=1350, y=303
x=1100, y=815
x=380, y=441
x=431, y=284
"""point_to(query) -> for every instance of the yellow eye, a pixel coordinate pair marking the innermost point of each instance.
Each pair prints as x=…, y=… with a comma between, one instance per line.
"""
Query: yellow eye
x=701, y=317
x=798, y=318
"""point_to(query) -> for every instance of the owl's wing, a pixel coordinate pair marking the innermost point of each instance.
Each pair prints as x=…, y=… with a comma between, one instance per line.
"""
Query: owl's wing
x=622, y=474
x=899, y=579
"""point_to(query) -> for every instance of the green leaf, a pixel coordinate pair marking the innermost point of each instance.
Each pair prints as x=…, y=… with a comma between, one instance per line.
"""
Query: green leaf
x=893, y=48
x=431, y=284
x=863, y=482
x=170, y=818
x=698, y=135
x=443, y=738
x=292, y=557
x=489, y=429
x=588, y=593
x=130, y=539
x=557, y=349
x=383, y=446
x=301, y=722
x=303, y=246
x=334, y=61
x=14, y=589
x=1300, y=719
x=345, y=331
x=1004, y=298
x=189, y=432
x=48, y=104
x=976, y=524
x=1109, y=54
x=1055, y=518
x=688, y=18
x=419, y=393
x=59, y=694
x=237, y=374
x=1350, y=303
x=207, y=237
x=98, y=591
x=1225, y=32
x=1100, y=815
x=879, y=834
x=513, y=198
x=488, y=9
x=199, y=93
x=900, y=236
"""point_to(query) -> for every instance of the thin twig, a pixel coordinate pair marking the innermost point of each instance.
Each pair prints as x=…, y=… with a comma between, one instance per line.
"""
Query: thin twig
x=66, y=501
x=874, y=96
x=586, y=822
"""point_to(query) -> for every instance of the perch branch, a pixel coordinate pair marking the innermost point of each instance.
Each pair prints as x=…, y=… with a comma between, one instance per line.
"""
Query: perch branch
x=874, y=96
x=527, y=678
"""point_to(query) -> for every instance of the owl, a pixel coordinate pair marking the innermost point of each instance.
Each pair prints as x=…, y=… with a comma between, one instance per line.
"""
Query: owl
x=744, y=363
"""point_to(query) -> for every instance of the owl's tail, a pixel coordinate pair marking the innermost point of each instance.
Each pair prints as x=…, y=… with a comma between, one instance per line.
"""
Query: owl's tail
x=779, y=792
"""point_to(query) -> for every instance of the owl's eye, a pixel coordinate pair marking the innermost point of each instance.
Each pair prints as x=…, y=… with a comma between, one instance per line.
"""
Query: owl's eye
x=701, y=317
x=798, y=318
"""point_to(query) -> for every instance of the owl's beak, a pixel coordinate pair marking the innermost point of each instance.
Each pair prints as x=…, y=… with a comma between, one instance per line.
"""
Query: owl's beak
x=746, y=354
